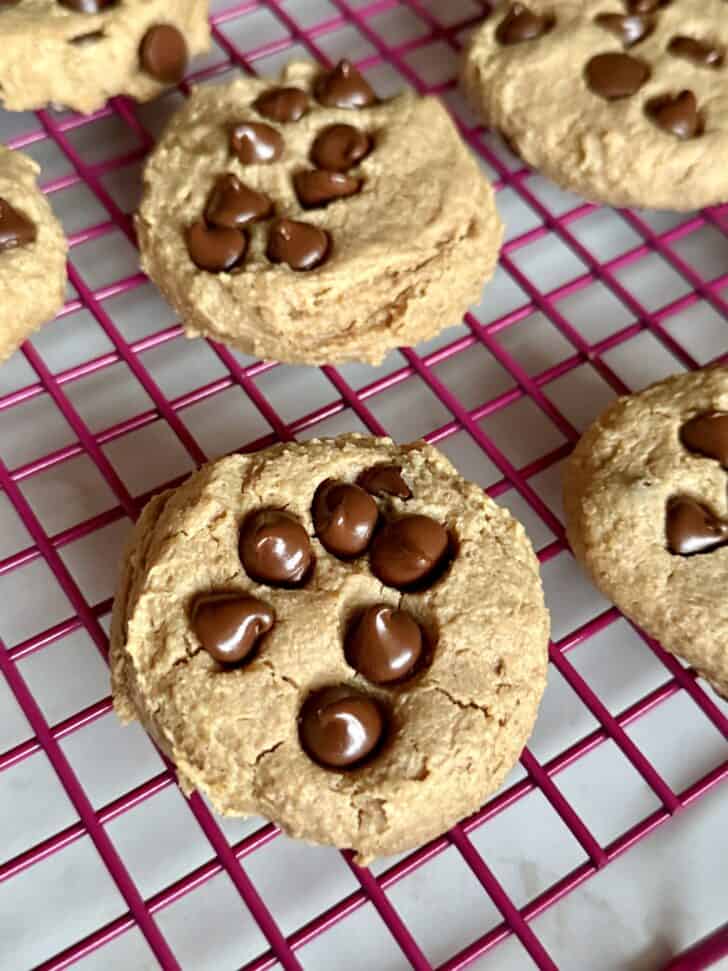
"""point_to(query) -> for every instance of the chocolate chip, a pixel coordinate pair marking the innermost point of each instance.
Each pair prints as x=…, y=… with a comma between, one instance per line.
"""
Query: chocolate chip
x=629, y=29
x=15, y=228
x=282, y=104
x=316, y=188
x=163, y=54
x=384, y=644
x=645, y=6
x=344, y=87
x=255, y=143
x=229, y=626
x=300, y=245
x=385, y=480
x=520, y=24
x=233, y=205
x=344, y=517
x=88, y=6
x=692, y=528
x=614, y=75
x=275, y=548
x=339, y=727
x=708, y=435
x=339, y=147
x=215, y=249
x=678, y=116
x=409, y=552
x=700, y=53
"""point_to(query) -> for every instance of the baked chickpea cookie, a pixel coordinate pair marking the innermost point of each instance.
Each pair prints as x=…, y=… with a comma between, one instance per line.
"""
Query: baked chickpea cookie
x=308, y=221
x=343, y=636
x=80, y=53
x=32, y=253
x=646, y=497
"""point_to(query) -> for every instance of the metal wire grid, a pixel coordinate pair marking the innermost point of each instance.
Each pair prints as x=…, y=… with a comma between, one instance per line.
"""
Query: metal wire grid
x=355, y=402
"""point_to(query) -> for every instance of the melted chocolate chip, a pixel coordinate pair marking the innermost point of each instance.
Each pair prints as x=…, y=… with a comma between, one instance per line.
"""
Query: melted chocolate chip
x=300, y=245
x=255, y=143
x=344, y=87
x=520, y=24
x=339, y=727
x=88, y=6
x=316, y=188
x=700, y=53
x=692, y=528
x=385, y=644
x=385, y=480
x=615, y=75
x=340, y=147
x=275, y=548
x=15, y=228
x=215, y=249
x=678, y=116
x=409, y=552
x=344, y=517
x=232, y=204
x=630, y=29
x=282, y=104
x=708, y=435
x=230, y=626
x=163, y=53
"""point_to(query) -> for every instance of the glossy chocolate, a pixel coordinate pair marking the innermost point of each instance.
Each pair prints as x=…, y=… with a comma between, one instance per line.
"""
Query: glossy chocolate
x=256, y=143
x=230, y=626
x=344, y=517
x=283, y=105
x=15, y=228
x=163, y=54
x=409, y=552
x=613, y=75
x=340, y=727
x=385, y=480
x=301, y=245
x=88, y=6
x=385, y=644
x=629, y=28
x=701, y=53
x=344, y=87
x=316, y=188
x=692, y=528
x=677, y=115
x=215, y=249
x=520, y=24
x=232, y=204
x=339, y=148
x=275, y=548
x=707, y=434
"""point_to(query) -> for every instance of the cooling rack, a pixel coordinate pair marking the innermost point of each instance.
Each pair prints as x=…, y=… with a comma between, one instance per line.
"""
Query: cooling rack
x=102, y=861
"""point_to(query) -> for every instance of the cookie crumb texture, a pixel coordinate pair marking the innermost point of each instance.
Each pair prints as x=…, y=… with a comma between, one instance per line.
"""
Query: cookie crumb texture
x=624, y=102
x=646, y=500
x=32, y=253
x=305, y=220
x=379, y=754
x=92, y=50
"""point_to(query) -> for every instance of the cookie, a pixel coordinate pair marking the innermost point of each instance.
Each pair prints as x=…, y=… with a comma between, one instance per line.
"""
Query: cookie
x=307, y=221
x=646, y=502
x=622, y=101
x=32, y=253
x=94, y=49
x=343, y=636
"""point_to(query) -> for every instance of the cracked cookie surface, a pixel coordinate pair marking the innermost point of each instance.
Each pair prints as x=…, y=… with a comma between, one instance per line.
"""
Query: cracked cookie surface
x=92, y=50
x=32, y=253
x=645, y=493
x=455, y=725
x=622, y=101
x=352, y=225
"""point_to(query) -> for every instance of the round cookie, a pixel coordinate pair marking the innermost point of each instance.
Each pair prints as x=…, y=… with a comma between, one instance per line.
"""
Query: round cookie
x=645, y=493
x=622, y=101
x=92, y=50
x=32, y=253
x=349, y=711
x=306, y=221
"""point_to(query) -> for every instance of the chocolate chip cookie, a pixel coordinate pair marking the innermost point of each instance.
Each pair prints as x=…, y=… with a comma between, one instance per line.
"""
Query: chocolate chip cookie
x=343, y=636
x=306, y=220
x=32, y=253
x=646, y=495
x=622, y=101
x=92, y=50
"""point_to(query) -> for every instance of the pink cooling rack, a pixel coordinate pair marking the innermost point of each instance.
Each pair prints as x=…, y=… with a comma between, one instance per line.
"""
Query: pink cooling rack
x=587, y=303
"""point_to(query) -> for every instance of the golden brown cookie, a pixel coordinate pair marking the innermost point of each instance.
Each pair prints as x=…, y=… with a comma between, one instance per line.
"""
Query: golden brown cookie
x=622, y=101
x=343, y=636
x=647, y=511
x=91, y=50
x=306, y=220
x=32, y=253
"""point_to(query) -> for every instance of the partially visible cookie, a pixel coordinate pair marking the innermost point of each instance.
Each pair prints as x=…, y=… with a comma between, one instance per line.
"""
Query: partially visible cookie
x=646, y=496
x=306, y=220
x=343, y=636
x=92, y=50
x=622, y=101
x=32, y=253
